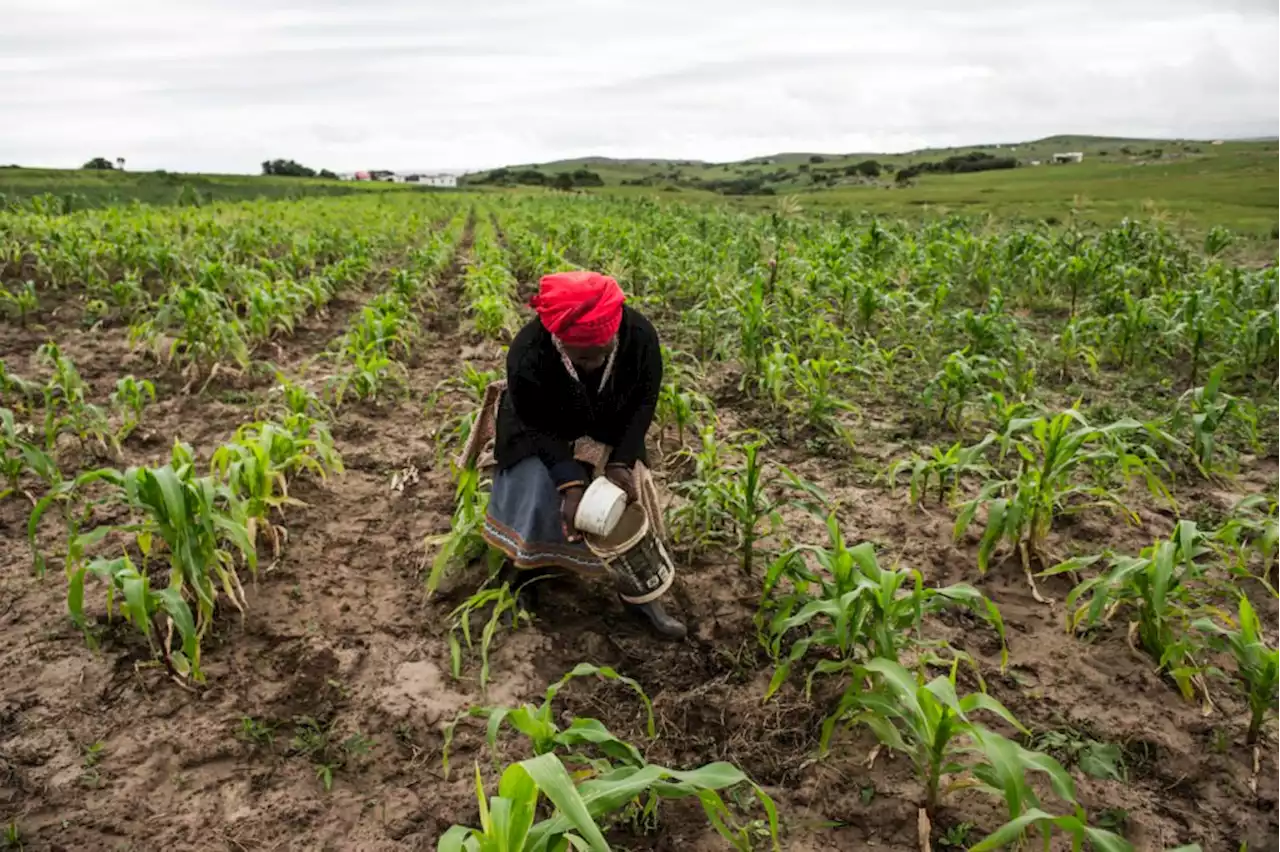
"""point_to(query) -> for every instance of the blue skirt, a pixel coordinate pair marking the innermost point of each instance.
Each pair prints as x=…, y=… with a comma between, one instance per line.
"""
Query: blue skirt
x=523, y=521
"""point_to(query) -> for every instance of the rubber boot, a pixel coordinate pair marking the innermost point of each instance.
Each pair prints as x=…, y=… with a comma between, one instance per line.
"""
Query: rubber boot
x=523, y=585
x=663, y=623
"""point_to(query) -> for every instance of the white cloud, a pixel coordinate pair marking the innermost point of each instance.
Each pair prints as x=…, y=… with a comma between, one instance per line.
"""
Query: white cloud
x=399, y=84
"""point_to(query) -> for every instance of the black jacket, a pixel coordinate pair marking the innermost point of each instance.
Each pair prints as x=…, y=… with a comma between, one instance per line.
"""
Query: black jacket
x=544, y=409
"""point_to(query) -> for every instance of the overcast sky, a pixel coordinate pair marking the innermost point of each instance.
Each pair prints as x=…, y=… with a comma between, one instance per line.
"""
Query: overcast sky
x=221, y=86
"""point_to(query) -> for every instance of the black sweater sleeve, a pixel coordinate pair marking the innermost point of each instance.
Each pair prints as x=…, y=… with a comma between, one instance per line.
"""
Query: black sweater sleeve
x=641, y=404
x=542, y=419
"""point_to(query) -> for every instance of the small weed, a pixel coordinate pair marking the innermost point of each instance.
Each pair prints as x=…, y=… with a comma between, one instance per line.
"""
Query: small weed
x=315, y=741
x=956, y=837
x=258, y=734
x=91, y=756
x=1113, y=819
x=1220, y=740
x=1093, y=758
x=12, y=836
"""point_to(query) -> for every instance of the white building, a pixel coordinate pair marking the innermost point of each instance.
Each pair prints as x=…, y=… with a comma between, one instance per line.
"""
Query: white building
x=439, y=180
x=1069, y=157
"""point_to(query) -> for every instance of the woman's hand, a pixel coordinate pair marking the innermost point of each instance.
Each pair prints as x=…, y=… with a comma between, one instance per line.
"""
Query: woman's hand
x=570, y=498
x=622, y=476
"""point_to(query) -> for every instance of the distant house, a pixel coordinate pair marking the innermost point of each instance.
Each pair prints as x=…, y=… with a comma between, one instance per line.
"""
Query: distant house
x=388, y=176
x=440, y=180
x=1069, y=157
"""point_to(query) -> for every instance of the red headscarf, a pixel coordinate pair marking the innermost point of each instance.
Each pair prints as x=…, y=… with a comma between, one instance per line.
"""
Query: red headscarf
x=581, y=308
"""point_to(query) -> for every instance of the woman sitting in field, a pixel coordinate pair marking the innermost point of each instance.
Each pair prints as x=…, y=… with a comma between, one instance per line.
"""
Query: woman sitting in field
x=585, y=373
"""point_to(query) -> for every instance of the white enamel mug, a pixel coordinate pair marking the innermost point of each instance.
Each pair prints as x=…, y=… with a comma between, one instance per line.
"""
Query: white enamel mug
x=601, y=507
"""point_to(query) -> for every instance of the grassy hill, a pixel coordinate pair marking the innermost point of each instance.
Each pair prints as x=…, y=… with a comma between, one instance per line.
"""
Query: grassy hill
x=1194, y=184
x=79, y=188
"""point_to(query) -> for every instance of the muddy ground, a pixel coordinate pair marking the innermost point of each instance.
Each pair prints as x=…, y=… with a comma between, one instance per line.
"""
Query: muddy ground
x=99, y=751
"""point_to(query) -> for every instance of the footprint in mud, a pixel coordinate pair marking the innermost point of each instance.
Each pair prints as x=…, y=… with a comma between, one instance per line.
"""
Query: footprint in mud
x=421, y=687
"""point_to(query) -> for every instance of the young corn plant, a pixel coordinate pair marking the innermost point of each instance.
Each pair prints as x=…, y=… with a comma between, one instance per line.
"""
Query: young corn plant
x=368, y=374
x=1249, y=540
x=489, y=286
x=958, y=384
x=501, y=600
x=819, y=404
x=196, y=522
x=1070, y=351
x=732, y=504
x=257, y=463
x=456, y=420
x=746, y=499
x=1001, y=410
x=21, y=303
x=946, y=469
x=208, y=336
x=698, y=524
x=1164, y=587
x=293, y=398
x=1003, y=773
x=1021, y=509
x=464, y=542
x=683, y=409
x=755, y=329
x=507, y=820
x=1257, y=663
x=852, y=610
x=16, y=392
x=1132, y=331
x=65, y=405
x=12, y=463
x=539, y=724
x=927, y=722
x=19, y=455
x=129, y=399
x=1209, y=412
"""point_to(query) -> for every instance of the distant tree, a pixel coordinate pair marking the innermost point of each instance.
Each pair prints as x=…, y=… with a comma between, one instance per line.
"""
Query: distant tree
x=101, y=163
x=325, y=173
x=286, y=168
x=975, y=161
x=585, y=177
x=817, y=158
x=563, y=181
x=120, y=163
x=868, y=168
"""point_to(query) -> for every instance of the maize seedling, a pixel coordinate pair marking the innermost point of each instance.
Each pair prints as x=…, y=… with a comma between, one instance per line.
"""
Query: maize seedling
x=1257, y=664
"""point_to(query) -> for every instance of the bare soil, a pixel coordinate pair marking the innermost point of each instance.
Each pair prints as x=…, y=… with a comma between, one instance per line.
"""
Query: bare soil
x=98, y=751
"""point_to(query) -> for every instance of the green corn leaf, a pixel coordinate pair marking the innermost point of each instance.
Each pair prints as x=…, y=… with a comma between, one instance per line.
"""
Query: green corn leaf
x=1012, y=831
x=574, y=813
x=996, y=511
x=75, y=596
